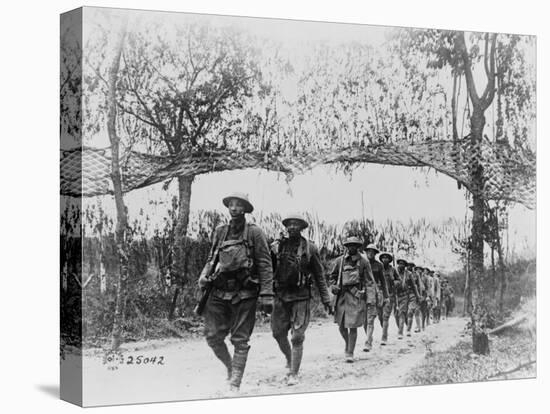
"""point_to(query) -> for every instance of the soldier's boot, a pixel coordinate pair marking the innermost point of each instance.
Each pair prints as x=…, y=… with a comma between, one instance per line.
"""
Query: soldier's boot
x=237, y=367
x=296, y=361
x=344, y=333
x=368, y=342
x=418, y=322
x=400, y=327
x=221, y=351
x=284, y=346
x=352, y=340
x=385, y=327
x=409, y=324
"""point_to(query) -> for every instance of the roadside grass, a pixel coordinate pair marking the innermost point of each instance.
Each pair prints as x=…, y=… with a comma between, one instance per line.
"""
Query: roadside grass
x=511, y=356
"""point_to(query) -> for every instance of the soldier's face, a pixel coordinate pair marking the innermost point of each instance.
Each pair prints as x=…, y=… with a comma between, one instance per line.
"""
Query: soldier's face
x=352, y=249
x=294, y=227
x=370, y=254
x=236, y=207
x=386, y=260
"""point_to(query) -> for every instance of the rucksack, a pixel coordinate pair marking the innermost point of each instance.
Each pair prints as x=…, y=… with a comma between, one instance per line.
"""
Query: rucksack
x=234, y=256
x=291, y=270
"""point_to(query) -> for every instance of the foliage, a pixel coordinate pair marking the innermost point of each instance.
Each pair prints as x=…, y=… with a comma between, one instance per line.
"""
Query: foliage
x=458, y=364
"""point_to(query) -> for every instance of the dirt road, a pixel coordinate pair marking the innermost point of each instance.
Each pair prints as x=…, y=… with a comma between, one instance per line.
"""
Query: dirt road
x=189, y=369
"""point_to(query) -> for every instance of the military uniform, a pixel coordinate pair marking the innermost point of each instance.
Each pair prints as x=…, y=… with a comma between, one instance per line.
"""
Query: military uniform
x=415, y=289
x=381, y=294
x=243, y=267
x=403, y=291
x=428, y=298
x=390, y=276
x=437, y=299
x=352, y=276
x=295, y=262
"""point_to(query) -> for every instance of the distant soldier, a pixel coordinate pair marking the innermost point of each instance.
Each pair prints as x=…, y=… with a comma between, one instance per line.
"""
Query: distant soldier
x=428, y=282
x=295, y=259
x=447, y=298
x=240, y=275
x=414, y=306
x=352, y=283
x=423, y=289
x=390, y=276
x=402, y=293
x=444, y=298
x=381, y=293
x=437, y=298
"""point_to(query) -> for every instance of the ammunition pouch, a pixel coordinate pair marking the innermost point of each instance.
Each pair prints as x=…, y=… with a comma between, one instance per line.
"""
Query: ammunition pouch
x=235, y=281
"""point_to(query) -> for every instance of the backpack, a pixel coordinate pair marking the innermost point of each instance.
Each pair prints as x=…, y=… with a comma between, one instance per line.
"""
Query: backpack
x=291, y=270
x=234, y=257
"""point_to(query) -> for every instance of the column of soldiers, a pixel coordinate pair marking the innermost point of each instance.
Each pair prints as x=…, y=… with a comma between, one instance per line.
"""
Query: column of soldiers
x=244, y=274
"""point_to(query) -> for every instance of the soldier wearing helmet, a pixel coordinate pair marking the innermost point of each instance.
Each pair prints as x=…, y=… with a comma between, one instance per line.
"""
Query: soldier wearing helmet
x=382, y=295
x=296, y=264
x=240, y=275
x=351, y=282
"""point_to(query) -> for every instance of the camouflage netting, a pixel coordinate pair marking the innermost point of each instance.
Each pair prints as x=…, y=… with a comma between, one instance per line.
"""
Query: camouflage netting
x=508, y=174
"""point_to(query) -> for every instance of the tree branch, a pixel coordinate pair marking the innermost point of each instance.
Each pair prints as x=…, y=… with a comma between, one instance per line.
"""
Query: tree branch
x=460, y=43
x=489, y=93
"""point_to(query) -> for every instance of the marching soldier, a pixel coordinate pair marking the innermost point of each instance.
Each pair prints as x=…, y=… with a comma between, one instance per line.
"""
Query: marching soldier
x=444, y=299
x=437, y=298
x=381, y=295
x=295, y=259
x=390, y=277
x=406, y=294
x=352, y=283
x=428, y=283
x=414, y=304
x=240, y=276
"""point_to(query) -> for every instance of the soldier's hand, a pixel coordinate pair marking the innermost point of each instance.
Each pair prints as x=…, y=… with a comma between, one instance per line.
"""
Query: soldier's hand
x=335, y=289
x=265, y=304
x=203, y=281
x=328, y=308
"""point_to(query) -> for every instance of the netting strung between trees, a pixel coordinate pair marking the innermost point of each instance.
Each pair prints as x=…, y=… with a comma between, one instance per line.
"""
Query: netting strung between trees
x=509, y=173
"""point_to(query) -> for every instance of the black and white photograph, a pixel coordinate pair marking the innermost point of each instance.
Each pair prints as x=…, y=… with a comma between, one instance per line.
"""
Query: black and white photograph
x=259, y=206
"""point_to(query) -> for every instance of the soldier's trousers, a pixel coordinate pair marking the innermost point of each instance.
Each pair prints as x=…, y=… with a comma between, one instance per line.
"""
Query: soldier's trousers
x=413, y=311
x=221, y=318
x=373, y=311
x=401, y=311
x=425, y=310
x=294, y=317
x=386, y=313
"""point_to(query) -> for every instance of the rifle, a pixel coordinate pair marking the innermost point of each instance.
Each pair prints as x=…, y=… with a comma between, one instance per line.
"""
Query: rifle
x=211, y=274
x=199, y=309
x=338, y=283
x=208, y=270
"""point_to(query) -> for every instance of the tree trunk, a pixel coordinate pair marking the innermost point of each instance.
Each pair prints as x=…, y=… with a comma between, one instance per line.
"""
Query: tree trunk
x=467, y=286
x=453, y=106
x=493, y=272
x=479, y=284
x=122, y=218
x=181, y=240
x=502, y=271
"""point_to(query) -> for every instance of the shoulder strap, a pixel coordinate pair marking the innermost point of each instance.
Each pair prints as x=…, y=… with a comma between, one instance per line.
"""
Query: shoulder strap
x=341, y=267
x=225, y=232
x=249, y=251
x=245, y=232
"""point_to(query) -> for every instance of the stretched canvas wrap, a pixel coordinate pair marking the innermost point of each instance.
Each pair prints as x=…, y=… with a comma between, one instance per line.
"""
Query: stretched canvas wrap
x=256, y=206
